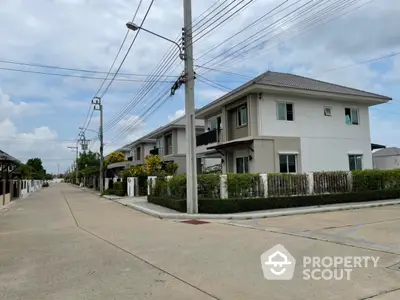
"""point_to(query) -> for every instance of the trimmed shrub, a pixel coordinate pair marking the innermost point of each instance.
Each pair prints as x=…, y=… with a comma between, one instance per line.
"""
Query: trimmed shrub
x=214, y=206
x=331, y=182
x=209, y=186
x=373, y=180
x=177, y=187
x=287, y=184
x=244, y=185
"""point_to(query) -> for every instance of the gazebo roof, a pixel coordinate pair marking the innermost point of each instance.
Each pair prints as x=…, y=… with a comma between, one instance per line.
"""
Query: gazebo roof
x=5, y=157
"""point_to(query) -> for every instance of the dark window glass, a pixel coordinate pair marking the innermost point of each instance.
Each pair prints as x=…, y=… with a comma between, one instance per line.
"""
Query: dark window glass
x=283, y=168
x=289, y=111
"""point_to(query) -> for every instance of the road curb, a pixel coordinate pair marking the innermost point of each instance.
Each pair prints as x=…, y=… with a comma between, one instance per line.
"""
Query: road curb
x=249, y=216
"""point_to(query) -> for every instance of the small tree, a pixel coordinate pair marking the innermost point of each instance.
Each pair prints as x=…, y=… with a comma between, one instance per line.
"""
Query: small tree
x=171, y=168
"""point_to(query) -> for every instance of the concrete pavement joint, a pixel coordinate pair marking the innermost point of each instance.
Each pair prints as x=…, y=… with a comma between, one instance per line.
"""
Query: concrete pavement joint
x=381, y=293
x=136, y=256
x=321, y=239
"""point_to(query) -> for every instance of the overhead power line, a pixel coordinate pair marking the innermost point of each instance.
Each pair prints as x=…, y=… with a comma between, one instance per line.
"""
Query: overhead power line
x=128, y=51
x=74, y=76
x=85, y=126
x=68, y=69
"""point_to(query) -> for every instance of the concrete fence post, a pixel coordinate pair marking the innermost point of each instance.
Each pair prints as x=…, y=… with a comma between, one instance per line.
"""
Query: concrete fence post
x=310, y=179
x=350, y=181
x=169, y=177
x=151, y=182
x=130, y=187
x=264, y=183
x=224, y=186
x=106, y=183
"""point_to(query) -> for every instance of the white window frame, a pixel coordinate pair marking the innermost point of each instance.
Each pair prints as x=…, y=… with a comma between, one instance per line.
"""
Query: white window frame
x=287, y=161
x=277, y=110
x=356, y=155
x=243, y=160
x=238, y=112
x=351, y=115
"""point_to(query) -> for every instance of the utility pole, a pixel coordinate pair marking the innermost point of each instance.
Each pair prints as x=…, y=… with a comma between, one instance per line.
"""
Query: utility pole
x=191, y=158
x=76, y=148
x=98, y=106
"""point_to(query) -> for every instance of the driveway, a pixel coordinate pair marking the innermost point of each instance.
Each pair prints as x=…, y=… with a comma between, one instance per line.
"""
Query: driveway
x=63, y=243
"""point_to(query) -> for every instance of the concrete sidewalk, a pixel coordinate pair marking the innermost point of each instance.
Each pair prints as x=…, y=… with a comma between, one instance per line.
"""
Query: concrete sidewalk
x=166, y=213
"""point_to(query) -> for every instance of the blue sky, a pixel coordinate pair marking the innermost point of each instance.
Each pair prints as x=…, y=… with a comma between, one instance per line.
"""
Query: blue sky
x=40, y=114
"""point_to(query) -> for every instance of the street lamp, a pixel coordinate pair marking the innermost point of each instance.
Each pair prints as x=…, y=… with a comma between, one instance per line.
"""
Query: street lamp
x=132, y=26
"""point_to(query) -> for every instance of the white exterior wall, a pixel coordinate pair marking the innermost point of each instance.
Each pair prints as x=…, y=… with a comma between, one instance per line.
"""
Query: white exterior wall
x=326, y=141
x=146, y=149
x=181, y=141
x=386, y=162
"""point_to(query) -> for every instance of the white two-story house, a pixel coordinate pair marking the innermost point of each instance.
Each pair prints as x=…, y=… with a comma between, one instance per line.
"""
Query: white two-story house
x=171, y=142
x=287, y=123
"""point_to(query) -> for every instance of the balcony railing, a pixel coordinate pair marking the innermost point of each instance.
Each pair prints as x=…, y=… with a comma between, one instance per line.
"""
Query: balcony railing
x=209, y=137
x=155, y=151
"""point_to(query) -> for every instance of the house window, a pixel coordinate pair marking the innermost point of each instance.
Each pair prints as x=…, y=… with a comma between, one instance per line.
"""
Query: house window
x=242, y=165
x=328, y=111
x=138, y=154
x=351, y=115
x=242, y=116
x=355, y=162
x=213, y=124
x=285, y=111
x=287, y=163
x=168, y=143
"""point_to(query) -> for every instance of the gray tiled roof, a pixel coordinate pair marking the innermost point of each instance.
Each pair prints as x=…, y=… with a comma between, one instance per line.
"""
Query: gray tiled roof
x=299, y=82
x=7, y=157
x=392, y=151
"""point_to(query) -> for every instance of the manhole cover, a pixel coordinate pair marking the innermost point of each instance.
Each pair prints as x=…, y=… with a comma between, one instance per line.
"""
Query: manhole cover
x=195, y=222
x=395, y=267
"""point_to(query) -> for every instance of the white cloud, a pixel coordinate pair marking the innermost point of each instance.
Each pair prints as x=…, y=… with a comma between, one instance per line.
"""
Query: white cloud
x=74, y=39
x=179, y=113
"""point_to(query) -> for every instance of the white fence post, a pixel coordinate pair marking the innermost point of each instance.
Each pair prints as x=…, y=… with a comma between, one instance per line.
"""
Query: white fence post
x=106, y=184
x=130, y=187
x=310, y=178
x=350, y=180
x=264, y=182
x=224, y=186
x=151, y=182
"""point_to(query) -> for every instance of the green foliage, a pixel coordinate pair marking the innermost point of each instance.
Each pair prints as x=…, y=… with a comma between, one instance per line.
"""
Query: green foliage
x=49, y=177
x=38, y=172
x=209, y=185
x=89, y=164
x=153, y=164
x=115, y=157
x=331, y=182
x=177, y=187
x=25, y=171
x=235, y=205
x=244, y=185
x=373, y=180
x=282, y=184
x=171, y=168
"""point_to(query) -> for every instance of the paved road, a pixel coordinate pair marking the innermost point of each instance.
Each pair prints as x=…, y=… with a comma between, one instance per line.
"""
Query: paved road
x=63, y=243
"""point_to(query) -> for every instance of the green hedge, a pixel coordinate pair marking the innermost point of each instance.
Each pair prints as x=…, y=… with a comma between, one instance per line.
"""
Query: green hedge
x=373, y=180
x=209, y=186
x=214, y=206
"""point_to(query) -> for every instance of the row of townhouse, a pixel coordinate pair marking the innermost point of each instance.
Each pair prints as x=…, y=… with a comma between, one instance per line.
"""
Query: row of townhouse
x=276, y=122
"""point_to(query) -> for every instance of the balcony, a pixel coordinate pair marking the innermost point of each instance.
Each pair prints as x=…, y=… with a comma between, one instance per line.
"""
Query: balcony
x=155, y=151
x=209, y=137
